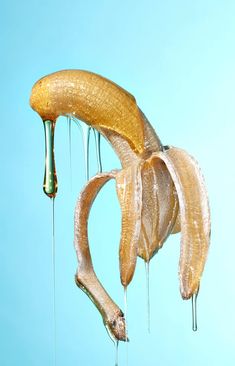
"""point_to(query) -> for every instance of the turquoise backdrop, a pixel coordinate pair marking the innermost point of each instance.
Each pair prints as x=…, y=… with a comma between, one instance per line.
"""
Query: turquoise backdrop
x=177, y=58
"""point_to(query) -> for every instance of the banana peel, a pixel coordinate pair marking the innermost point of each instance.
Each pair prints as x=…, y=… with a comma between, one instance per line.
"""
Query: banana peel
x=161, y=191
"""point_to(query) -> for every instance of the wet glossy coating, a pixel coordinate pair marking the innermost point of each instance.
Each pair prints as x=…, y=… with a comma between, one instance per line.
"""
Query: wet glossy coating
x=129, y=190
x=160, y=189
x=194, y=216
x=50, y=178
x=160, y=207
x=86, y=278
x=91, y=98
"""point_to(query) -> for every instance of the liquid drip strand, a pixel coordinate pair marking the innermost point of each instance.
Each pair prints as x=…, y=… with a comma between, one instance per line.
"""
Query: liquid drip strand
x=126, y=319
x=98, y=153
x=86, y=143
x=70, y=148
x=194, y=312
x=116, y=353
x=110, y=334
x=50, y=178
x=54, y=278
x=148, y=294
x=125, y=311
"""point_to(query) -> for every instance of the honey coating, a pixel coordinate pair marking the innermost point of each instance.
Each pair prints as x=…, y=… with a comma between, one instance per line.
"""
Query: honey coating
x=129, y=191
x=194, y=217
x=86, y=278
x=149, y=235
x=177, y=227
x=92, y=99
x=160, y=191
x=160, y=207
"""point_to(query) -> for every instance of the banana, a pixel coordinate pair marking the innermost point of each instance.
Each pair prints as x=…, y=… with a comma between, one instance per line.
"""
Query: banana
x=160, y=189
x=91, y=98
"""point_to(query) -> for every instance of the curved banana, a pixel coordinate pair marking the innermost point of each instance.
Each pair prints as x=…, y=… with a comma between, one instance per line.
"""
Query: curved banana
x=160, y=189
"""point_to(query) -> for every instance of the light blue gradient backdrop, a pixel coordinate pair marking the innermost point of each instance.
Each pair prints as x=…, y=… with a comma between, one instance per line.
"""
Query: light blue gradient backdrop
x=177, y=58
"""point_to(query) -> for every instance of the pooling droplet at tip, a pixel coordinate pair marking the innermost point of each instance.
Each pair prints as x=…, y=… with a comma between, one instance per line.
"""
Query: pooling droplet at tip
x=50, y=178
x=194, y=311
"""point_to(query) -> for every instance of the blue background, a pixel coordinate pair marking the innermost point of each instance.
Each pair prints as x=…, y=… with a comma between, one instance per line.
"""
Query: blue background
x=177, y=58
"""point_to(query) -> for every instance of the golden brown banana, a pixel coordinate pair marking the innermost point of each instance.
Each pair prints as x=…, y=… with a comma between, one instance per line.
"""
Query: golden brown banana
x=161, y=191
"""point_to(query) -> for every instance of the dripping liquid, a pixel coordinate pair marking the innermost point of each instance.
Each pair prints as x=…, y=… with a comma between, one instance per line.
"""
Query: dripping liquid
x=86, y=143
x=148, y=294
x=97, y=148
x=116, y=353
x=126, y=319
x=50, y=178
x=194, y=311
x=54, y=280
x=70, y=148
x=125, y=311
x=85, y=130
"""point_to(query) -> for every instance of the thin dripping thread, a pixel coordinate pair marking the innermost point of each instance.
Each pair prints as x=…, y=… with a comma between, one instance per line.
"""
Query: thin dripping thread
x=126, y=319
x=148, y=294
x=85, y=130
x=110, y=334
x=69, y=120
x=54, y=278
x=116, y=353
x=86, y=143
x=98, y=151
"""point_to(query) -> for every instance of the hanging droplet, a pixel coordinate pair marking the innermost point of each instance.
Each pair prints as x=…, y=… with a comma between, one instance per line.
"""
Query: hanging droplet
x=98, y=152
x=50, y=178
x=194, y=311
x=148, y=294
x=54, y=278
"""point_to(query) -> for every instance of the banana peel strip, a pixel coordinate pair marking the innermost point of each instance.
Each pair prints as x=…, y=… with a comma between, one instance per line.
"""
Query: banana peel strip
x=86, y=278
x=194, y=217
x=129, y=191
